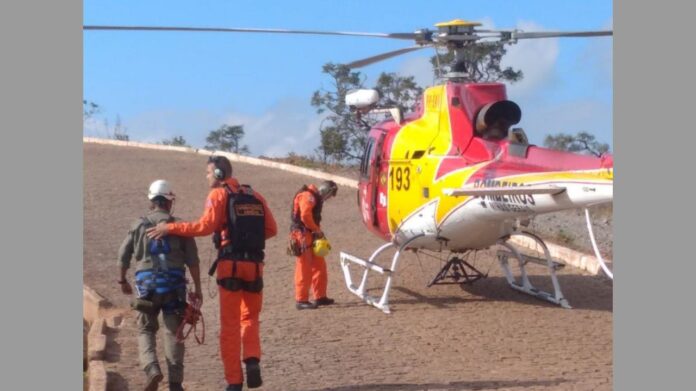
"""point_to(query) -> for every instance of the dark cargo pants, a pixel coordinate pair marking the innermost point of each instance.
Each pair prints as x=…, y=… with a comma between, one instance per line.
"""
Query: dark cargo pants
x=148, y=326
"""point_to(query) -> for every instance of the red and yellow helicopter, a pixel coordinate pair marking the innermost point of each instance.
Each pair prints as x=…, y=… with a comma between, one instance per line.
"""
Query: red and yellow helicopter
x=452, y=176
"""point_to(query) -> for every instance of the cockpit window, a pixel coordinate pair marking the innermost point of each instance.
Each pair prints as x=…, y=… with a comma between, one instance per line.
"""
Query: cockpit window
x=367, y=156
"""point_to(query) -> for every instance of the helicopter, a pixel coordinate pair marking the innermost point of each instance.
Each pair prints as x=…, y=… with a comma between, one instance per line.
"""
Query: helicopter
x=452, y=176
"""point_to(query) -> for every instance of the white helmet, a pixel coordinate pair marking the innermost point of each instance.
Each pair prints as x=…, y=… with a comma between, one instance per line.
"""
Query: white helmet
x=160, y=187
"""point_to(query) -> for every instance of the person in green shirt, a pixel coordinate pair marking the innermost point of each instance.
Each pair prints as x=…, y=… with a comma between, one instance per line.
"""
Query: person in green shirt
x=160, y=267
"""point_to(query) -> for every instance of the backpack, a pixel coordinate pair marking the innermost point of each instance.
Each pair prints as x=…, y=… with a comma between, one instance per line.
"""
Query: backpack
x=246, y=221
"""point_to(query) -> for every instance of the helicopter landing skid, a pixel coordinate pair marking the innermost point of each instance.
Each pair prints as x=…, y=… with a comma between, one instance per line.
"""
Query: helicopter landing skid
x=525, y=285
x=456, y=270
x=381, y=302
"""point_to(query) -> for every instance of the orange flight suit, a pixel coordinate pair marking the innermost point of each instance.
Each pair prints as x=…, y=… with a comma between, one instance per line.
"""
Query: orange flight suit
x=310, y=270
x=239, y=310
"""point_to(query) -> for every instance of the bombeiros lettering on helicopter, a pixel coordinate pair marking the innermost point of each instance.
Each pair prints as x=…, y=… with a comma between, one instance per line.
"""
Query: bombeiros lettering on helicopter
x=520, y=199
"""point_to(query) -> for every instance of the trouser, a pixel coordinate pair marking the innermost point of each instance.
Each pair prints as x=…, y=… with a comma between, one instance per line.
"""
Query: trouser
x=310, y=272
x=239, y=319
x=147, y=340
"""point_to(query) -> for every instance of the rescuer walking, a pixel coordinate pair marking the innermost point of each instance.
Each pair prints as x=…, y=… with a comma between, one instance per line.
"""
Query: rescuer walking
x=241, y=221
x=161, y=286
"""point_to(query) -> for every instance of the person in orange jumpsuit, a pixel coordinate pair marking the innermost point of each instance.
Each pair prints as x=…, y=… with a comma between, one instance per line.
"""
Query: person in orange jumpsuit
x=239, y=272
x=310, y=269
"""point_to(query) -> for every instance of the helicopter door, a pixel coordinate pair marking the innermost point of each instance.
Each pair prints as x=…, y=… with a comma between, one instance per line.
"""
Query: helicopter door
x=370, y=168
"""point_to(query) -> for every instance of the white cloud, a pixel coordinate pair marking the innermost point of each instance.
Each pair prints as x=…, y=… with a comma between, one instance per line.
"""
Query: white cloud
x=420, y=68
x=570, y=117
x=95, y=127
x=288, y=126
x=536, y=58
x=598, y=58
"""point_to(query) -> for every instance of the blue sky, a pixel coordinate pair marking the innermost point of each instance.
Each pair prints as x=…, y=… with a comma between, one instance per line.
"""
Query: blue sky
x=165, y=84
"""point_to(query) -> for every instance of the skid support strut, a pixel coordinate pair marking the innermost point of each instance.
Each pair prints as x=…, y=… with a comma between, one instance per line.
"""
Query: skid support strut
x=381, y=302
x=459, y=271
x=525, y=285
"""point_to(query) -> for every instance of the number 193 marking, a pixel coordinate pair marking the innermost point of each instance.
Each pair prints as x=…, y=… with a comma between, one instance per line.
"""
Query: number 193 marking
x=400, y=178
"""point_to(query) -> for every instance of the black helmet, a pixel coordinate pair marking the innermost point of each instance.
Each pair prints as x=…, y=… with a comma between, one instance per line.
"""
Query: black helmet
x=328, y=189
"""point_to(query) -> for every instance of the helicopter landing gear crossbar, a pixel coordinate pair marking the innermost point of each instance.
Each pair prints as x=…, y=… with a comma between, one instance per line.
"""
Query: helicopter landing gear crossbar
x=381, y=302
x=459, y=271
x=525, y=285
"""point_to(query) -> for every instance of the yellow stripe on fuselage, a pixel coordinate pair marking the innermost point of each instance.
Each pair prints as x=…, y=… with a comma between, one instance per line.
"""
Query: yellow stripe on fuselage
x=431, y=133
x=600, y=175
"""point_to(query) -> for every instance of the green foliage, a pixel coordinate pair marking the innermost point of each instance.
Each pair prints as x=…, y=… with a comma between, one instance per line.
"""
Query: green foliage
x=227, y=138
x=120, y=132
x=89, y=109
x=176, y=141
x=582, y=142
x=397, y=91
x=565, y=237
x=481, y=62
x=315, y=163
x=343, y=135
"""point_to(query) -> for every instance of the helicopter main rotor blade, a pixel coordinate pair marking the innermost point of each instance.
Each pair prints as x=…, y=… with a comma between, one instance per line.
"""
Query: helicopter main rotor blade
x=407, y=36
x=383, y=56
x=551, y=34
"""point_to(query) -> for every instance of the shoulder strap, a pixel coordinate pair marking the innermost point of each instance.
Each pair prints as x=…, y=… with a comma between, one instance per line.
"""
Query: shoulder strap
x=246, y=189
x=145, y=221
x=149, y=223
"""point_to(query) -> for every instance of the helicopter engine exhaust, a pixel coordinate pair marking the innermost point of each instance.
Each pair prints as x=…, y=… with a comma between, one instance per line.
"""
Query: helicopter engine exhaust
x=495, y=118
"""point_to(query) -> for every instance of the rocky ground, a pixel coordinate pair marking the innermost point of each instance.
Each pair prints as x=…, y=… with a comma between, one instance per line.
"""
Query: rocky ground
x=447, y=337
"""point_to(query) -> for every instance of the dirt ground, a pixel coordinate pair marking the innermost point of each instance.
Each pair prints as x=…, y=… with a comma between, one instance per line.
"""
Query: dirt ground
x=480, y=337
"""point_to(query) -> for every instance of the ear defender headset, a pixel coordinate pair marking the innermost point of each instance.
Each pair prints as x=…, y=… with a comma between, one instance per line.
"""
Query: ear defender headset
x=218, y=172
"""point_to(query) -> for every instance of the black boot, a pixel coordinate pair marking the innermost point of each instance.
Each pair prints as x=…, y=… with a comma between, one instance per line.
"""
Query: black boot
x=253, y=372
x=175, y=387
x=234, y=387
x=305, y=305
x=154, y=377
x=324, y=301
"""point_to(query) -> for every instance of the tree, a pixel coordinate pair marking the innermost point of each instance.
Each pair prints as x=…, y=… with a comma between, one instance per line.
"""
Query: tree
x=120, y=131
x=481, y=62
x=227, y=138
x=89, y=109
x=397, y=91
x=581, y=142
x=176, y=141
x=343, y=135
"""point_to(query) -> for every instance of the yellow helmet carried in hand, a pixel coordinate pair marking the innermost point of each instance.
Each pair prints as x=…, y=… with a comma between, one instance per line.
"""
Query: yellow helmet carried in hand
x=321, y=247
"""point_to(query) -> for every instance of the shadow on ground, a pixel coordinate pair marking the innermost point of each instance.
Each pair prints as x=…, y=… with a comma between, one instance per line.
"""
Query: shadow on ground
x=115, y=381
x=582, y=292
x=452, y=386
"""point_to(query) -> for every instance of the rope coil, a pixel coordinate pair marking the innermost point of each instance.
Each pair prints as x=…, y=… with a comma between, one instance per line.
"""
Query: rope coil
x=192, y=315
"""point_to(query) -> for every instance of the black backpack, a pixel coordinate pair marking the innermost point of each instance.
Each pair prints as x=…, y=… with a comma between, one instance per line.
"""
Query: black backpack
x=246, y=228
x=246, y=221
